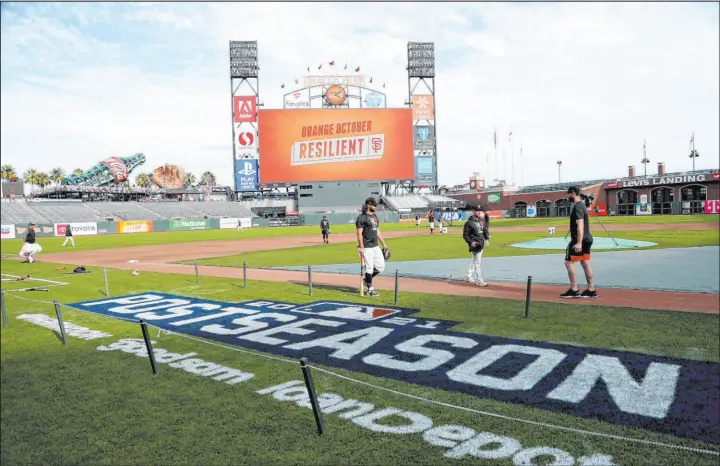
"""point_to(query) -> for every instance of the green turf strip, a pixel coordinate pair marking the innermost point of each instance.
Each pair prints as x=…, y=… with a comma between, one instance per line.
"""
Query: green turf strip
x=85, y=243
x=75, y=404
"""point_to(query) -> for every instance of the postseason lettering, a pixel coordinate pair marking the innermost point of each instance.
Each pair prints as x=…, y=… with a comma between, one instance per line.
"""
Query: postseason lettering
x=668, y=395
x=337, y=129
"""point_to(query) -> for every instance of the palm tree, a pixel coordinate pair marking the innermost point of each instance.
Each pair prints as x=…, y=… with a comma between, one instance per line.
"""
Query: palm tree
x=142, y=180
x=8, y=172
x=78, y=171
x=189, y=180
x=42, y=179
x=30, y=177
x=207, y=179
x=57, y=174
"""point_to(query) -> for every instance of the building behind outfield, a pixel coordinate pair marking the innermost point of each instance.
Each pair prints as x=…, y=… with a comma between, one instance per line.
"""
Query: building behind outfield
x=658, y=194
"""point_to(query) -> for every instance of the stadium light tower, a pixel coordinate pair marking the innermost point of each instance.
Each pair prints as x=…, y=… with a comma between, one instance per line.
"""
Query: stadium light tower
x=421, y=98
x=693, y=155
x=645, y=160
x=559, y=163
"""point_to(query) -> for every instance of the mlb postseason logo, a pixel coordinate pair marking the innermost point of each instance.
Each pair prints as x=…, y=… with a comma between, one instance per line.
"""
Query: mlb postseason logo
x=667, y=395
x=246, y=175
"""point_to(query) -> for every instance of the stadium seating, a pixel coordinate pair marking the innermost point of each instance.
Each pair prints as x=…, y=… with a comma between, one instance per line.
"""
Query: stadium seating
x=126, y=210
x=19, y=212
x=412, y=201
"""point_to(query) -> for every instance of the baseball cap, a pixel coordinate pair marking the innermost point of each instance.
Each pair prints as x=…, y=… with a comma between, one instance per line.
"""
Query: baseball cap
x=573, y=189
x=477, y=208
x=31, y=224
x=371, y=200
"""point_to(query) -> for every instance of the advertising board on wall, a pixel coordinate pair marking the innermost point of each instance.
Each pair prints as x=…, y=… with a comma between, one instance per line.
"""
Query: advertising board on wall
x=134, y=226
x=424, y=169
x=185, y=224
x=665, y=180
x=372, y=99
x=643, y=207
x=423, y=107
x=494, y=198
x=246, y=144
x=41, y=230
x=246, y=175
x=424, y=137
x=343, y=145
x=7, y=232
x=711, y=207
x=232, y=222
x=531, y=210
x=77, y=229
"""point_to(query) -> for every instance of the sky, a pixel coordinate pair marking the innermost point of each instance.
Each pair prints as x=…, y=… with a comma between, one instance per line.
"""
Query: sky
x=584, y=83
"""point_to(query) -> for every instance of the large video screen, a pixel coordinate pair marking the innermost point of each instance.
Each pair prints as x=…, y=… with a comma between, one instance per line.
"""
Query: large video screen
x=335, y=145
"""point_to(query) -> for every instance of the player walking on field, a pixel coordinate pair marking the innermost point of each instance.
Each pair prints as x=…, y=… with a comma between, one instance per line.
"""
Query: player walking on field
x=579, y=248
x=68, y=237
x=368, y=234
x=325, y=229
x=239, y=225
x=30, y=247
x=431, y=221
x=477, y=236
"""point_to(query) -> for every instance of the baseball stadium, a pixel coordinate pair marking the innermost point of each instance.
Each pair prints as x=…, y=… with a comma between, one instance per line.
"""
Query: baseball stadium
x=215, y=324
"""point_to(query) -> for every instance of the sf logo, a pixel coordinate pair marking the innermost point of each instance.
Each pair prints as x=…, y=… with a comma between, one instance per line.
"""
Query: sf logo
x=376, y=144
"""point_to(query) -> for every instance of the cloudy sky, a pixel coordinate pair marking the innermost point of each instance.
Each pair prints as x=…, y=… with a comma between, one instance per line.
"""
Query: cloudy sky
x=584, y=83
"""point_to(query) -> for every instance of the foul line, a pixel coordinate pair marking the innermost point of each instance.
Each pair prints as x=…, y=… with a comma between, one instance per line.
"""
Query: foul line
x=14, y=277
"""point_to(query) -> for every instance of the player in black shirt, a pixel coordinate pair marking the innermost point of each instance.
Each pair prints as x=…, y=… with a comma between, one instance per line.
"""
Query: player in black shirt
x=30, y=247
x=579, y=248
x=368, y=234
x=325, y=229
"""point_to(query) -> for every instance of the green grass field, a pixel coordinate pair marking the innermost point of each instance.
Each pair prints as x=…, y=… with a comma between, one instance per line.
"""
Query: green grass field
x=78, y=405
x=448, y=246
x=86, y=243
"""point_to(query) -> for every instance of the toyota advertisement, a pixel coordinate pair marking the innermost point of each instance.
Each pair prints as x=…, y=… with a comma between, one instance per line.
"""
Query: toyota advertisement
x=77, y=229
x=342, y=145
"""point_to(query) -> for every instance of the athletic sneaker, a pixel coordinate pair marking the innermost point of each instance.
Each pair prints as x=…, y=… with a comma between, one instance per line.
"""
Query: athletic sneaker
x=372, y=293
x=481, y=283
x=31, y=260
x=570, y=293
x=589, y=294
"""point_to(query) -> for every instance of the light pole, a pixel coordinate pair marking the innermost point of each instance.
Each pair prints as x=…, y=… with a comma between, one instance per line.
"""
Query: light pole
x=645, y=160
x=693, y=155
x=559, y=163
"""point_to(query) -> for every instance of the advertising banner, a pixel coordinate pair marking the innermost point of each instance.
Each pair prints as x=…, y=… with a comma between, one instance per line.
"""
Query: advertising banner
x=229, y=223
x=643, y=207
x=422, y=107
x=601, y=210
x=246, y=175
x=424, y=137
x=134, y=226
x=495, y=214
x=531, y=210
x=342, y=145
x=106, y=228
x=372, y=99
x=42, y=230
x=494, y=198
x=7, y=232
x=424, y=170
x=244, y=109
x=711, y=207
x=246, y=144
x=77, y=229
x=297, y=99
x=184, y=224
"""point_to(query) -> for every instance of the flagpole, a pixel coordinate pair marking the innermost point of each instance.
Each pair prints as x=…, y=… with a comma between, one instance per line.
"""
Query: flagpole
x=512, y=157
x=504, y=167
x=496, y=168
x=522, y=177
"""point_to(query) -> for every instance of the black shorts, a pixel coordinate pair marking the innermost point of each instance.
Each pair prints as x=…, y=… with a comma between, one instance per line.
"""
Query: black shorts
x=583, y=255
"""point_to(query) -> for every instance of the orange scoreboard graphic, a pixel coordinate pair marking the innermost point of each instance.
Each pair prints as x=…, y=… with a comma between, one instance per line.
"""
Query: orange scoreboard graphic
x=335, y=145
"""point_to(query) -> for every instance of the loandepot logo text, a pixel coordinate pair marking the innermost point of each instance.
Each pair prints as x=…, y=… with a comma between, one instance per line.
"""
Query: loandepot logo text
x=672, y=396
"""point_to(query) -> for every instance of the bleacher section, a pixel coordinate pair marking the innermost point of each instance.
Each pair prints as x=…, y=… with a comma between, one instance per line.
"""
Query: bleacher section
x=412, y=202
x=17, y=212
x=68, y=211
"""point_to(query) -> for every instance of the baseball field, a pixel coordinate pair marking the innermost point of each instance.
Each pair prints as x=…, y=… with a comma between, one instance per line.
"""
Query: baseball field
x=451, y=374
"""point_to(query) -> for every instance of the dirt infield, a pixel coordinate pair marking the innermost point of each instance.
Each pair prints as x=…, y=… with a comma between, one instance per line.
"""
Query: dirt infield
x=158, y=259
